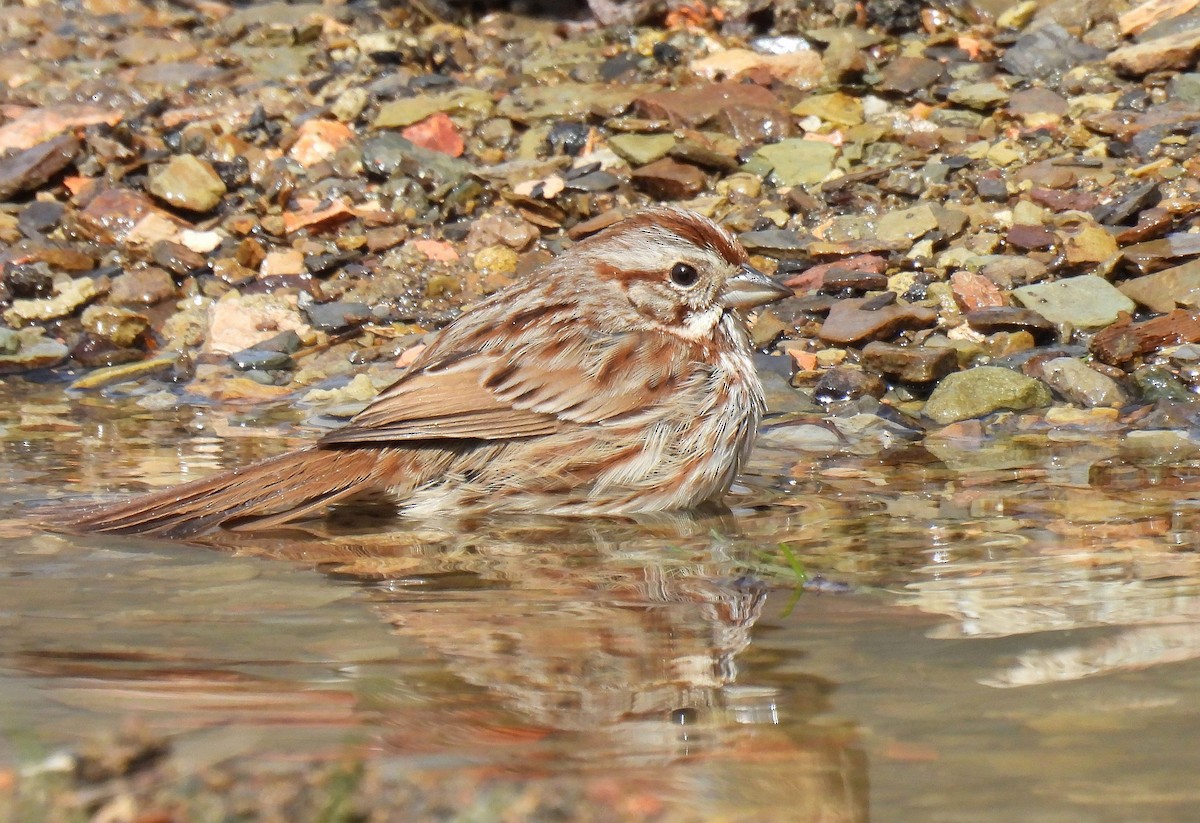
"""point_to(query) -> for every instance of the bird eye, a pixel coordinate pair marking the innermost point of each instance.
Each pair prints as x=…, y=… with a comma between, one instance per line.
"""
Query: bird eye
x=684, y=274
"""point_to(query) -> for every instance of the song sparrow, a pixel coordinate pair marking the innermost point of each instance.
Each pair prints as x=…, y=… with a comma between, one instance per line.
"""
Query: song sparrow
x=617, y=378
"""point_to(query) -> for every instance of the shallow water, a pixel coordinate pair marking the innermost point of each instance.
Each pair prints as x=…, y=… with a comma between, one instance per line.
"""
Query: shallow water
x=990, y=631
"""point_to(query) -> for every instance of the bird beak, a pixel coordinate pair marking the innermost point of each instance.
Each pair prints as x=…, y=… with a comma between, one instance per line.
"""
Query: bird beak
x=750, y=288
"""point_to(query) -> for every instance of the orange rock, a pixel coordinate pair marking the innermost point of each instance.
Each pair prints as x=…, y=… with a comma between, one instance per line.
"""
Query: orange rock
x=308, y=216
x=437, y=250
x=409, y=356
x=1144, y=15
x=436, y=132
x=318, y=140
x=974, y=291
x=38, y=125
x=282, y=263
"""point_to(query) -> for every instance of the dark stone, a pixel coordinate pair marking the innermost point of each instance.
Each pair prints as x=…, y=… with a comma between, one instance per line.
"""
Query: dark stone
x=1156, y=383
x=40, y=216
x=28, y=280
x=774, y=242
x=989, y=185
x=844, y=383
x=861, y=281
x=595, y=181
x=911, y=364
x=1009, y=318
x=1031, y=237
x=95, y=352
x=256, y=359
x=568, y=138
x=909, y=74
x=286, y=342
x=1141, y=196
x=390, y=155
x=178, y=259
x=32, y=167
x=337, y=316
x=1048, y=52
x=669, y=179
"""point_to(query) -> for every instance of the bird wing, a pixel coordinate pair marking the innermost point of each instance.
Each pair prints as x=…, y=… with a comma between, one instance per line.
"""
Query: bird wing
x=524, y=392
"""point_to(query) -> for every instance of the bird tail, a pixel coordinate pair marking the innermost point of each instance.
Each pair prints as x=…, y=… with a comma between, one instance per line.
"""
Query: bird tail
x=261, y=495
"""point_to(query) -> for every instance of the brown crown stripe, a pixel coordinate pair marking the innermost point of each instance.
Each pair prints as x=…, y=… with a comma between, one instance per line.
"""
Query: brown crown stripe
x=607, y=271
x=693, y=228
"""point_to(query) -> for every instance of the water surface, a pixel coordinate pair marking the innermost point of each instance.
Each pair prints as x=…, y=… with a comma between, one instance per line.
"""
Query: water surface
x=990, y=631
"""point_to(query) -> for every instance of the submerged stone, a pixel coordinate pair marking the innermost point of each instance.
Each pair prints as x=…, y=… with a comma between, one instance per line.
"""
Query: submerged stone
x=982, y=390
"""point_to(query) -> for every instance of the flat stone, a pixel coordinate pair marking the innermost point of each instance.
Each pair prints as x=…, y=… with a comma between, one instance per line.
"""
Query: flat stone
x=142, y=287
x=994, y=319
x=774, y=242
x=125, y=372
x=668, y=179
x=798, y=162
x=239, y=321
x=410, y=110
x=1167, y=289
x=910, y=74
x=974, y=291
x=1048, y=52
x=41, y=354
x=1082, y=385
x=337, y=315
x=1086, y=302
x=911, y=364
x=1172, y=51
x=1031, y=237
x=845, y=383
x=570, y=100
x=187, y=182
x=849, y=322
x=982, y=390
x=261, y=360
x=391, y=154
x=1153, y=255
x=837, y=108
x=983, y=95
x=31, y=168
x=641, y=149
x=906, y=225
x=694, y=106
x=836, y=280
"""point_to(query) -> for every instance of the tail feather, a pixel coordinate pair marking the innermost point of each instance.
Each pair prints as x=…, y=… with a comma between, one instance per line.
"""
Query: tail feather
x=261, y=495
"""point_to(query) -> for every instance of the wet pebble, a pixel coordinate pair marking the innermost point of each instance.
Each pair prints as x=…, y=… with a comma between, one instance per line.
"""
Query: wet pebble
x=982, y=390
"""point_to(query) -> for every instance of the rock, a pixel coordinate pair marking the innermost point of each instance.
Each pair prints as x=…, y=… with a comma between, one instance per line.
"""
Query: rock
x=124, y=373
x=318, y=140
x=1124, y=340
x=570, y=101
x=436, y=132
x=1031, y=237
x=390, y=155
x=411, y=110
x=837, y=280
x=177, y=258
x=122, y=326
x=1172, y=51
x=1085, y=242
x=71, y=294
x=909, y=74
x=907, y=225
x=641, y=149
x=668, y=179
x=982, y=390
x=187, y=182
x=1082, y=385
x=910, y=364
x=983, y=95
x=10, y=341
x=1164, y=291
x=40, y=216
x=238, y=321
x=34, y=166
x=1011, y=319
x=849, y=322
x=974, y=291
x=798, y=69
x=336, y=316
x=1156, y=383
x=39, y=354
x=1086, y=302
x=767, y=327
x=112, y=215
x=697, y=105
x=142, y=287
x=774, y=242
x=798, y=162
x=261, y=360
x=845, y=383
x=1048, y=52
x=837, y=108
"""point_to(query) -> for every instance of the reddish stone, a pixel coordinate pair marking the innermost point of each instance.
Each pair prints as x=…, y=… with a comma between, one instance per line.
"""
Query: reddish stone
x=974, y=291
x=1031, y=237
x=1125, y=340
x=438, y=133
x=813, y=278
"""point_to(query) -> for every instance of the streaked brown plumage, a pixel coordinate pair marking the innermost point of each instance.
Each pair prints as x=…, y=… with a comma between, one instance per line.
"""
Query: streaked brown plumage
x=617, y=378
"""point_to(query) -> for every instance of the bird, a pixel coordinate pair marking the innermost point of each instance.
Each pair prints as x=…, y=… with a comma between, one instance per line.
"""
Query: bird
x=617, y=378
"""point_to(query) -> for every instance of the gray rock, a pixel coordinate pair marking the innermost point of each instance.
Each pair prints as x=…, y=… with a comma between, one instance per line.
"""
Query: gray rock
x=261, y=360
x=1082, y=385
x=980, y=391
x=31, y=168
x=1048, y=52
x=337, y=315
x=390, y=154
x=798, y=162
x=1086, y=302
